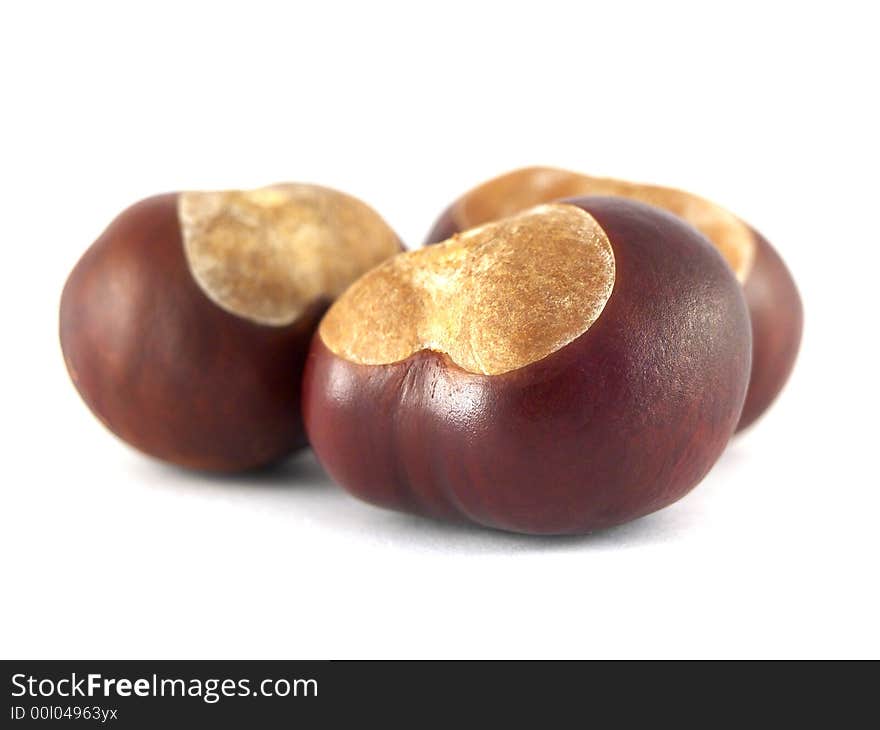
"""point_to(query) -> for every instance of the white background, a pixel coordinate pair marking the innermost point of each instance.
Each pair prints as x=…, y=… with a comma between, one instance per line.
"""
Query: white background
x=768, y=109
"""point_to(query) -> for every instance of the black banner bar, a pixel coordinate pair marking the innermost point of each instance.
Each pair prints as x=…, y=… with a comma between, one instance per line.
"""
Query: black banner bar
x=261, y=694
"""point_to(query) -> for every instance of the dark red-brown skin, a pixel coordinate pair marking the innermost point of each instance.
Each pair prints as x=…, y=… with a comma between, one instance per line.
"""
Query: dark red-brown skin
x=775, y=311
x=444, y=227
x=165, y=368
x=777, y=322
x=621, y=422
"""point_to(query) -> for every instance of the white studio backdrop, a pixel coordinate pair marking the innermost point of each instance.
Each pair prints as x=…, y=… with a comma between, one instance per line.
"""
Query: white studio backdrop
x=769, y=109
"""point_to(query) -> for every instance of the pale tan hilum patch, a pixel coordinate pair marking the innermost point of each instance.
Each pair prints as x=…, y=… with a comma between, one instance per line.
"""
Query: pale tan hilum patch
x=494, y=298
x=531, y=186
x=267, y=254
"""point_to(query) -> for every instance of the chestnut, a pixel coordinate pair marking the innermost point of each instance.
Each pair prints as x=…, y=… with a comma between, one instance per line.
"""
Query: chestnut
x=562, y=370
x=774, y=304
x=186, y=325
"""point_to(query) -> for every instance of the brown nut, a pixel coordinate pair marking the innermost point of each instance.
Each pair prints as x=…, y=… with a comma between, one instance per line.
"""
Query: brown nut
x=566, y=369
x=774, y=304
x=186, y=325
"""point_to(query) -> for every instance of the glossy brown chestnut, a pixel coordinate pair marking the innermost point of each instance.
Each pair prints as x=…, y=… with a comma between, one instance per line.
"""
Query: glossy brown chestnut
x=186, y=325
x=774, y=304
x=563, y=370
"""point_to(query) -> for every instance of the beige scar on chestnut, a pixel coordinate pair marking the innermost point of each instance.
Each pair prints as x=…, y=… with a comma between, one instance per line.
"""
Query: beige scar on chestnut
x=493, y=299
x=267, y=254
x=527, y=187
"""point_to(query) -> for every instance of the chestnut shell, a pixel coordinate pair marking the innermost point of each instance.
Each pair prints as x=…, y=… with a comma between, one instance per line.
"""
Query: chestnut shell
x=775, y=311
x=623, y=421
x=166, y=369
x=777, y=318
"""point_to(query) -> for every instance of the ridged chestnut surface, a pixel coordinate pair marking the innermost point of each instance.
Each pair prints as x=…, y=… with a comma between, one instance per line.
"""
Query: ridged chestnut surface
x=186, y=325
x=774, y=303
x=625, y=413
